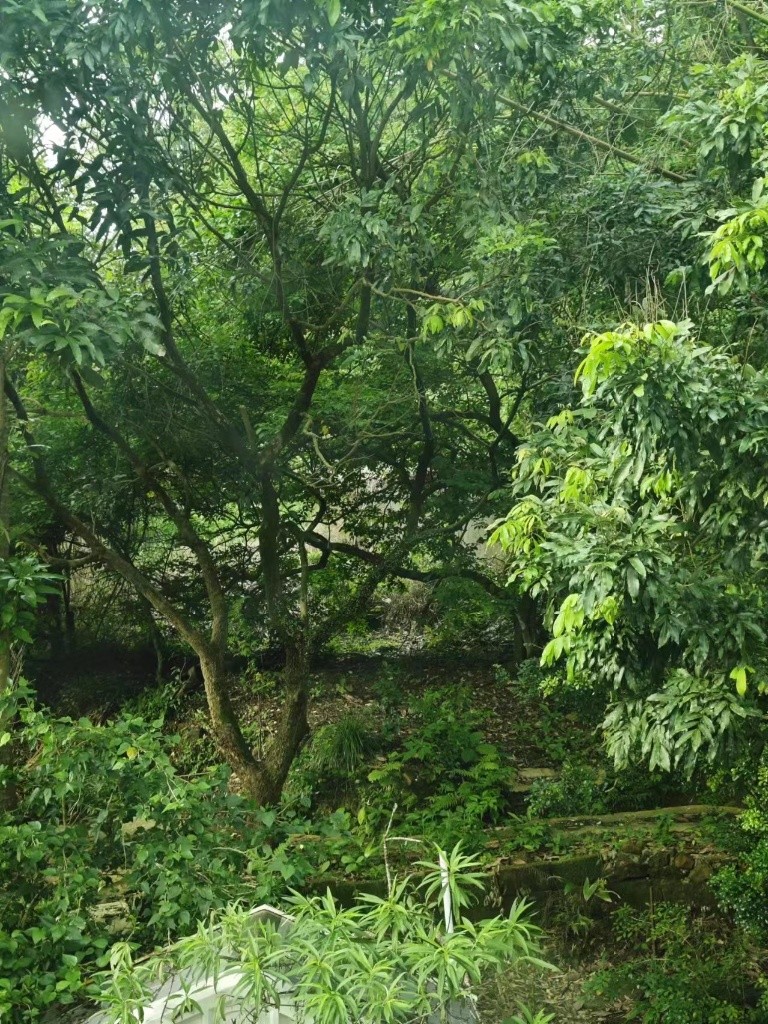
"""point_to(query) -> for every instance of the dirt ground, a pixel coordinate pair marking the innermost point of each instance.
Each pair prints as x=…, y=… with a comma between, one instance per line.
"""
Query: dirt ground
x=512, y=714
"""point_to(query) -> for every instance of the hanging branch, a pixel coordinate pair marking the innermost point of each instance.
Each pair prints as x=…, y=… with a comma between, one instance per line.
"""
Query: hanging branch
x=749, y=11
x=593, y=140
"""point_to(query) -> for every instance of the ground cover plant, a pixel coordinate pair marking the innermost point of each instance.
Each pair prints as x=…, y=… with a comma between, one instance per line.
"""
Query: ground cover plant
x=677, y=968
x=106, y=841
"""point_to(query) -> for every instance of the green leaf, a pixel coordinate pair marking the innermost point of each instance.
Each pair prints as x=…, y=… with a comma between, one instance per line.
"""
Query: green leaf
x=638, y=566
x=333, y=9
x=739, y=675
x=514, y=38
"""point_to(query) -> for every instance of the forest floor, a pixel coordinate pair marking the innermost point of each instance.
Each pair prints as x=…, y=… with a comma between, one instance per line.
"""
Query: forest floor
x=560, y=992
x=515, y=717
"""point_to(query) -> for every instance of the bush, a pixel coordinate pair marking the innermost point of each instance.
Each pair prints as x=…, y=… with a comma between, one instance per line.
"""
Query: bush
x=108, y=840
x=387, y=960
x=443, y=772
x=743, y=889
x=578, y=790
x=681, y=968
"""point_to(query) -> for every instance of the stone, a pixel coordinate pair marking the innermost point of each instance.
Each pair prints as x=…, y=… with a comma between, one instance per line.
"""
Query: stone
x=701, y=873
x=658, y=860
x=114, y=916
x=631, y=847
x=683, y=862
x=525, y=778
x=533, y=774
x=627, y=868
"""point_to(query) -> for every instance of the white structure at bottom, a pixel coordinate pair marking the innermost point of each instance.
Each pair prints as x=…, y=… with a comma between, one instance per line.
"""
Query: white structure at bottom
x=203, y=998
x=177, y=1001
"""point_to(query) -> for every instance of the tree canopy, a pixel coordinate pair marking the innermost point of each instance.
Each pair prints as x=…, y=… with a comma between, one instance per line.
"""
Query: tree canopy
x=287, y=288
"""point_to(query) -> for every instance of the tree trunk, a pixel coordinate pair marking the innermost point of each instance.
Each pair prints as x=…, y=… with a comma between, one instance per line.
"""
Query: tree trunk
x=156, y=637
x=262, y=778
x=529, y=622
x=224, y=724
x=293, y=727
x=68, y=623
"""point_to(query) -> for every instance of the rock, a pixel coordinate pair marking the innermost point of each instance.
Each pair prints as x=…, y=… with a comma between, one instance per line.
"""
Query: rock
x=113, y=915
x=701, y=873
x=627, y=868
x=683, y=862
x=533, y=774
x=525, y=778
x=631, y=847
x=658, y=860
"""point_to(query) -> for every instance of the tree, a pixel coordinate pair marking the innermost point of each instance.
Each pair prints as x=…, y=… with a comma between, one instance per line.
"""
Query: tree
x=314, y=170
x=641, y=517
x=639, y=507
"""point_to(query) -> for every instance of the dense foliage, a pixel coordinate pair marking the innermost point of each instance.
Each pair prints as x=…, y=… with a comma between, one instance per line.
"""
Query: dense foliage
x=282, y=270
x=301, y=304
x=401, y=957
x=107, y=840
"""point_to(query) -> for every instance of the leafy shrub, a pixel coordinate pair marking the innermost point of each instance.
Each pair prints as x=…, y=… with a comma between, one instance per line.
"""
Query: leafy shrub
x=743, y=889
x=681, y=968
x=582, y=908
x=384, y=960
x=587, y=789
x=443, y=772
x=107, y=839
x=527, y=1016
x=389, y=689
x=444, y=738
x=24, y=583
x=578, y=790
x=164, y=701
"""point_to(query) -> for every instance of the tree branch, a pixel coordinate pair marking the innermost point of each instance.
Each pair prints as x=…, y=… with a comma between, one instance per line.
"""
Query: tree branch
x=593, y=140
x=181, y=521
x=374, y=558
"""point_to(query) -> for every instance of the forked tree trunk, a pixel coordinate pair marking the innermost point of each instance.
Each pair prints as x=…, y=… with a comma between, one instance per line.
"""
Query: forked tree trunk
x=293, y=727
x=262, y=777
